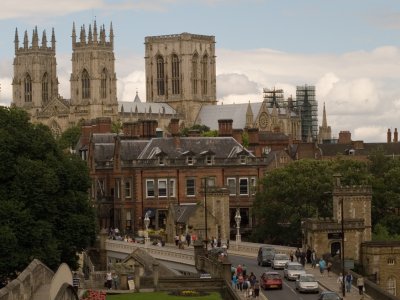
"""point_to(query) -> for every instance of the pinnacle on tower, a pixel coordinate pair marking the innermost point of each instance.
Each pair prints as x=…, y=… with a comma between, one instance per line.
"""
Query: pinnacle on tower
x=83, y=35
x=95, y=32
x=324, y=121
x=26, y=40
x=111, y=35
x=44, y=39
x=16, y=40
x=90, y=34
x=53, y=40
x=35, y=38
x=73, y=35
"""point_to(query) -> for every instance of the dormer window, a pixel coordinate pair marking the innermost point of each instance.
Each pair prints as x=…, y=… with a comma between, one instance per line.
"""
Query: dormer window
x=242, y=159
x=209, y=160
x=190, y=160
x=161, y=161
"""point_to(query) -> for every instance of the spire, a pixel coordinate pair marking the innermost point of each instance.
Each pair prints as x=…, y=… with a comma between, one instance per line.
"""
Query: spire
x=95, y=32
x=53, y=40
x=249, y=116
x=90, y=34
x=73, y=35
x=44, y=39
x=35, y=38
x=103, y=35
x=16, y=40
x=324, y=121
x=83, y=35
x=26, y=40
x=111, y=36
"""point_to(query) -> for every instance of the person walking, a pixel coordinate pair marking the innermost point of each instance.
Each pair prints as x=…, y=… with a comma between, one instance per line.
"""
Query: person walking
x=328, y=268
x=348, y=282
x=340, y=281
x=109, y=280
x=313, y=259
x=115, y=280
x=257, y=289
x=322, y=266
x=75, y=282
x=360, y=285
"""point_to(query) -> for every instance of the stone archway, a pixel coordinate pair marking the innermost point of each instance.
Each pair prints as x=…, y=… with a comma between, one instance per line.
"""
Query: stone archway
x=335, y=248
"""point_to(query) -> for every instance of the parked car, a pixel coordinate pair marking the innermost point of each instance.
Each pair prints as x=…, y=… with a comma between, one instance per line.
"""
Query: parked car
x=279, y=261
x=307, y=283
x=328, y=295
x=265, y=256
x=293, y=270
x=271, y=280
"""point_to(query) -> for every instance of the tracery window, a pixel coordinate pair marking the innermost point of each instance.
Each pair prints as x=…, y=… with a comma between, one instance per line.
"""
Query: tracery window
x=204, y=72
x=45, y=88
x=103, y=84
x=85, y=85
x=160, y=76
x=175, y=75
x=195, y=62
x=28, y=88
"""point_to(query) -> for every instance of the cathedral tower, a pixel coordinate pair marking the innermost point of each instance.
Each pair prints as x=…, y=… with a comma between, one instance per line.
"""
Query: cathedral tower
x=93, y=79
x=35, y=81
x=181, y=71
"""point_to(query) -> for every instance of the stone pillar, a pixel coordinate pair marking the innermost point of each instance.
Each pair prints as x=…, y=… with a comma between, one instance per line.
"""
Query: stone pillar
x=226, y=270
x=156, y=274
x=199, y=254
x=137, y=277
x=103, y=252
x=123, y=281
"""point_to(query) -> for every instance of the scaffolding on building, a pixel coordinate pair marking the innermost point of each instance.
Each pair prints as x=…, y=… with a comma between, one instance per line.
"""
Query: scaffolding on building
x=308, y=107
x=273, y=97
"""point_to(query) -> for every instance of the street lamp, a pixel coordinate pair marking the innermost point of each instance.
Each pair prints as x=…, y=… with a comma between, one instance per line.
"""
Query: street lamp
x=342, y=250
x=205, y=211
x=238, y=218
x=146, y=224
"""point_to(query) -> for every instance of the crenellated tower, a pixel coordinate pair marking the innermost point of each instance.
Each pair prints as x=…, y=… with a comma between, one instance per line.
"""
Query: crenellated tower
x=35, y=81
x=93, y=79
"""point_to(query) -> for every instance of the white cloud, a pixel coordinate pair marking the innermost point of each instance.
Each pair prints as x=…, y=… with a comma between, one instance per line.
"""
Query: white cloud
x=239, y=84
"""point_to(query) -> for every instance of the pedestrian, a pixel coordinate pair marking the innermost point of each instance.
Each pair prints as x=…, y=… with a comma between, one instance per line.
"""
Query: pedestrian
x=313, y=259
x=360, y=285
x=308, y=255
x=188, y=239
x=109, y=280
x=303, y=259
x=257, y=289
x=240, y=281
x=244, y=270
x=234, y=281
x=322, y=266
x=340, y=281
x=176, y=240
x=328, y=268
x=212, y=242
x=348, y=282
x=245, y=286
x=297, y=254
x=239, y=269
x=115, y=280
x=291, y=255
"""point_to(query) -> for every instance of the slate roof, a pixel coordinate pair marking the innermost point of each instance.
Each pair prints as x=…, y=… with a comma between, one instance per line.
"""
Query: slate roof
x=210, y=114
x=131, y=149
x=223, y=147
x=272, y=136
x=335, y=149
x=145, y=107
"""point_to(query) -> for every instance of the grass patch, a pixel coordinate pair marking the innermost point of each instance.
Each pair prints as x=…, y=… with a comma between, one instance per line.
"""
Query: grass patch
x=162, y=296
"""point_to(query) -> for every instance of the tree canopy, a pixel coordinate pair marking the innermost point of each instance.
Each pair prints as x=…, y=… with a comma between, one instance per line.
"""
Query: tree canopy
x=45, y=212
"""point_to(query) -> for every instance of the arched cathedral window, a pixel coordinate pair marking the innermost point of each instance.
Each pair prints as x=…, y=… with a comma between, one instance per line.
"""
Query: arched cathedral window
x=204, y=73
x=175, y=75
x=195, y=61
x=45, y=88
x=103, y=84
x=85, y=85
x=160, y=76
x=28, y=88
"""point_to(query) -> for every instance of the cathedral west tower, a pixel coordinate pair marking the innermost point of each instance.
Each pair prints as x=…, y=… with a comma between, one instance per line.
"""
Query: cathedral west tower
x=181, y=71
x=93, y=79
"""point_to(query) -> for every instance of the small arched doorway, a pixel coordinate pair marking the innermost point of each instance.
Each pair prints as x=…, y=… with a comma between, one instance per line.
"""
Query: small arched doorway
x=335, y=248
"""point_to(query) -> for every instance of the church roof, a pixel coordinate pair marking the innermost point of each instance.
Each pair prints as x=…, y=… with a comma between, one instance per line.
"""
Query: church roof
x=365, y=150
x=210, y=114
x=144, y=107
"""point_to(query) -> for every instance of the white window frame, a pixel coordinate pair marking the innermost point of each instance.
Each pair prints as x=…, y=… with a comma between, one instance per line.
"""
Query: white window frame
x=161, y=193
x=234, y=186
x=190, y=160
x=171, y=187
x=240, y=186
x=243, y=159
x=127, y=188
x=209, y=160
x=194, y=187
x=148, y=181
x=253, y=185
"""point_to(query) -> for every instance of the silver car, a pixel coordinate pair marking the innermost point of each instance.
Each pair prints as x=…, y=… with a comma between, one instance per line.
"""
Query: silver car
x=307, y=283
x=293, y=270
x=279, y=261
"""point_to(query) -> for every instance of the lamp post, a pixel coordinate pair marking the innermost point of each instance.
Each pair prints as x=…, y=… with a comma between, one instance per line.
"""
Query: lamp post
x=238, y=218
x=146, y=234
x=205, y=211
x=342, y=250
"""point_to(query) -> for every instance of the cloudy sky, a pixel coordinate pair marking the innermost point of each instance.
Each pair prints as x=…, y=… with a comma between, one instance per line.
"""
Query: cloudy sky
x=348, y=49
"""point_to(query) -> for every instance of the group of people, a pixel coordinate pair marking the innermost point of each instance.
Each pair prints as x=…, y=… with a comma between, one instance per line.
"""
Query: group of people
x=348, y=281
x=246, y=283
x=112, y=280
x=182, y=239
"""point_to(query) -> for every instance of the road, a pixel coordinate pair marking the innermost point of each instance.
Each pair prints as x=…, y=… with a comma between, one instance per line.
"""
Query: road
x=288, y=291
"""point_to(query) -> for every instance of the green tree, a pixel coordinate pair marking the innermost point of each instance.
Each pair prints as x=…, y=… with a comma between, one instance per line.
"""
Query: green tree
x=300, y=190
x=43, y=195
x=70, y=137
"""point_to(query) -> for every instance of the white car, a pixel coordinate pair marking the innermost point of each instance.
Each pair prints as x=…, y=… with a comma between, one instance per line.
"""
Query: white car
x=293, y=270
x=307, y=283
x=279, y=261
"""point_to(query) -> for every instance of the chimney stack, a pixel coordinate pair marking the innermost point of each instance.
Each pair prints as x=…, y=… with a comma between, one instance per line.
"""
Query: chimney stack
x=225, y=127
x=389, y=136
x=395, y=136
x=174, y=127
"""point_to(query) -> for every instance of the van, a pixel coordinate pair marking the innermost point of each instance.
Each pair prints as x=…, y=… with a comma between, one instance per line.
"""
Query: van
x=265, y=255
